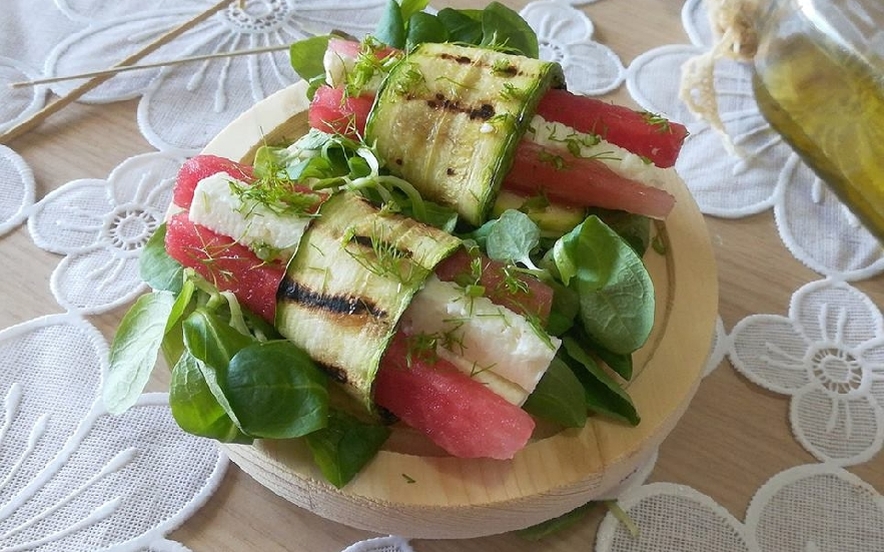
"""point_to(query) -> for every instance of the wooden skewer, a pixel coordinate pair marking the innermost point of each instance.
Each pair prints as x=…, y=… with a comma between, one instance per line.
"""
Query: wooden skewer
x=34, y=120
x=124, y=68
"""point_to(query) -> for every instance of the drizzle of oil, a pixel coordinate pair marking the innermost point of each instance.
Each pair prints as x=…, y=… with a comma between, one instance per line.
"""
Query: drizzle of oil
x=829, y=105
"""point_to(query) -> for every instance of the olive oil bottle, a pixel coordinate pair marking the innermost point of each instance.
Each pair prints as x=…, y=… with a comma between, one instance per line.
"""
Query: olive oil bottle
x=826, y=98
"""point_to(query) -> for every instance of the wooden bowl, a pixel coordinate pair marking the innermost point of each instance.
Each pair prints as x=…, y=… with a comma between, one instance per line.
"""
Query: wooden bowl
x=414, y=491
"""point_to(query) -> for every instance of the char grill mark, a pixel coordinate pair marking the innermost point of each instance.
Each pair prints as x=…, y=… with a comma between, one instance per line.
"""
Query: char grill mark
x=509, y=70
x=335, y=372
x=462, y=60
x=484, y=111
x=290, y=290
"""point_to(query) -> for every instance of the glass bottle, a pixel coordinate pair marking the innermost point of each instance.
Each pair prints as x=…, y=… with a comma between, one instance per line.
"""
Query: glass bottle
x=819, y=81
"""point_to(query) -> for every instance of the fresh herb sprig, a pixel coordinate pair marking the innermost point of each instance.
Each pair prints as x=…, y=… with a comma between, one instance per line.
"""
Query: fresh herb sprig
x=330, y=163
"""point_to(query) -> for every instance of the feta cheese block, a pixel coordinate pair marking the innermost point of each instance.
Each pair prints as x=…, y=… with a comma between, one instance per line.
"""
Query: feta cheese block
x=251, y=223
x=481, y=338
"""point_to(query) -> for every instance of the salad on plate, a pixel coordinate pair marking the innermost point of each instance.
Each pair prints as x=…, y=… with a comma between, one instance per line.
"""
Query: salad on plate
x=454, y=246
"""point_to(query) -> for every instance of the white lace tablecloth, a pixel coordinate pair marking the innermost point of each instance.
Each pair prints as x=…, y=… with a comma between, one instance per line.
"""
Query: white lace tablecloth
x=74, y=479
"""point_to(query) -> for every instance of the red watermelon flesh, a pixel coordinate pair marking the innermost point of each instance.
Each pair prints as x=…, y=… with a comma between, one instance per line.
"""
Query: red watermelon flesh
x=196, y=168
x=333, y=113
x=639, y=132
x=526, y=296
x=351, y=49
x=580, y=181
x=228, y=265
x=456, y=412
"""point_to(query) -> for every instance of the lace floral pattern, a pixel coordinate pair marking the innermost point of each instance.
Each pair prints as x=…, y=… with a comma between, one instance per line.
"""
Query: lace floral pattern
x=795, y=510
x=71, y=476
x=827, y=354
x=100, y=227
x=768, y=173
x=565, y=36
x=236, y=82
x=381, y=544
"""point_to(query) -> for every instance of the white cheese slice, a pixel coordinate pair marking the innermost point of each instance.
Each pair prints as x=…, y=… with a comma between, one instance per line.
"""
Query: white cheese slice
x=480, y=336
x=251, y=223
x=622, y=161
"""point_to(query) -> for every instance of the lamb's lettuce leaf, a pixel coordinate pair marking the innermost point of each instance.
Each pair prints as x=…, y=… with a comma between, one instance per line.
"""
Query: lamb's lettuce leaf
x=280, y=377
x=306, y=56
x=194, y=406
x=603, y=394
x=345, y=445
x=135, y=350
x=558, y=396
x=615, y=291
x=156, y=268
x=405, y=25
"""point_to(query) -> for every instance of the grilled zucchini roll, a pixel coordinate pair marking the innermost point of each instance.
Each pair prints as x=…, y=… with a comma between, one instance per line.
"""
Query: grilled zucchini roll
x=355, y=273
x=448, y=119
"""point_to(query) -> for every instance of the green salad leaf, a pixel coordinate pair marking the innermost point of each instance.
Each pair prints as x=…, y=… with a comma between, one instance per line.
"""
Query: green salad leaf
x=404, y=26
x=602, y=392
x=558, y=397
x=463, y=26
x=213, y=342
x=345, y=445
x=565, y=308
x=411, y=7
x=156, y=268
x=306, y=56
x=135, y=349
x=512, y=237
x=555, y=525
x=621, y=363
x=277, y=391
x=503, y=28
x=424, y=27
x=635, y=229
x=194, y=406
x=391, y=27
x=615, y=291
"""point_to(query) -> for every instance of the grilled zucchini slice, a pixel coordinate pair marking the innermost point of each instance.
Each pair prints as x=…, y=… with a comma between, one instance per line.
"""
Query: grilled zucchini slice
x=354, y=274
x=448, y=119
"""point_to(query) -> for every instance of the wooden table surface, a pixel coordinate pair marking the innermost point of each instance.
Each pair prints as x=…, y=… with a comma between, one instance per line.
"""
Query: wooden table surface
x=733, y=438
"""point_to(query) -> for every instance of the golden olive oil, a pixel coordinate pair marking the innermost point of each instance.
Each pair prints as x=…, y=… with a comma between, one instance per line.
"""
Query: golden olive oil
x=829, y=105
